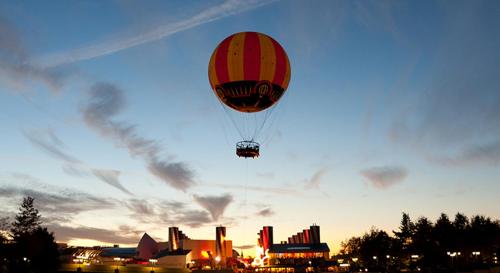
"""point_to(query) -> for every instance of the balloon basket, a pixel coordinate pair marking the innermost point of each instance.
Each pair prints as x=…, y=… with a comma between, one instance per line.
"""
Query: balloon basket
x=247, y=149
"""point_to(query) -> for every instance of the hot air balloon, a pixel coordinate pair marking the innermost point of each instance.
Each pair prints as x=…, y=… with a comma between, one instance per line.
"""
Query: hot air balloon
x=249, y=72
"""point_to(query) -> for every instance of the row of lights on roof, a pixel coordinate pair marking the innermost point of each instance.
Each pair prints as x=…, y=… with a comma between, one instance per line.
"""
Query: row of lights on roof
x=415, y=256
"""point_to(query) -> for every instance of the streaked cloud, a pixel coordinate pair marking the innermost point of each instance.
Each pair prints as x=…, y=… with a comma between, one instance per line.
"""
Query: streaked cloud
x=315, y=180
x=164, y=213
x=215, y=205
x=15, y=72
x=64, y=233
x=192, y=218
x=385, y=177
x=57, y=203
x=105, y=101
x=483, y=154
x=47, y=143
x=50, y=143
x=225, y=9
x=110, y=177
x=266, y=212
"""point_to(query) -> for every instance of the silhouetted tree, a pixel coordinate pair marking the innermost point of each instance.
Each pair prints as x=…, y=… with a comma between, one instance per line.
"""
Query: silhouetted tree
x=33, y=248
x=4, y=238
x=461, y=233
x=27, y=219
x=443, y=233
x=375, y=247
x=351, y=247
x=431, y=242
x=40, y=251
x=404, y=240
x=423, y=243
x=405, y=233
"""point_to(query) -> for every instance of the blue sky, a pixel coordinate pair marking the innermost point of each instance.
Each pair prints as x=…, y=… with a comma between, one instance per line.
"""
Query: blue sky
x=108, y=119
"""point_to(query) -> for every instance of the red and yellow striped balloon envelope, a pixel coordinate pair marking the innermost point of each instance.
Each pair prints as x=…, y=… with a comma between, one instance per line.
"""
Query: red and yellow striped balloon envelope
x=249, y=71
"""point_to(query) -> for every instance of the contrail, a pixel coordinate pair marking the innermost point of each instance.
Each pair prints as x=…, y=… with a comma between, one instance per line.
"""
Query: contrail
x=227, y=8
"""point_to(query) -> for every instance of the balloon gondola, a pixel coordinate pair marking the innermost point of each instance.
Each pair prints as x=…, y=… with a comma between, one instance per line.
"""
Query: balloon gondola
x=249, y=72
x=247, y=148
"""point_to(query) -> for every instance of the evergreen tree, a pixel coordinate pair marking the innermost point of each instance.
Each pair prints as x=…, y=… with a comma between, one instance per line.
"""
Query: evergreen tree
x=33, y=248
x=3, y=243
x=405, y=232
x=422, y=243
x=443, y=233
x=28, y=218
x=40, y=250
x=461, y=236
x=4, y=229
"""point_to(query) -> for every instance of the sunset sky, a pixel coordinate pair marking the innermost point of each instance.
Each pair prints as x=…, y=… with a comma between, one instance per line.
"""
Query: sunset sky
x=107, y=117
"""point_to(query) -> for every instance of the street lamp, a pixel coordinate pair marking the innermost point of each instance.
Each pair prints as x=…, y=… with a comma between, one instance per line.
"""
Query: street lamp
x=453, y=255
x=117, y=260
x=152, y=262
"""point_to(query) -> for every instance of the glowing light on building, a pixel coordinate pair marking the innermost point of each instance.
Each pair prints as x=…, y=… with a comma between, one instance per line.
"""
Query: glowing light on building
x=261, y=257
x=205, y=254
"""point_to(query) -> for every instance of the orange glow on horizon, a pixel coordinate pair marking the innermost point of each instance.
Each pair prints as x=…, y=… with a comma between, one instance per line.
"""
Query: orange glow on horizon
x=89, y=243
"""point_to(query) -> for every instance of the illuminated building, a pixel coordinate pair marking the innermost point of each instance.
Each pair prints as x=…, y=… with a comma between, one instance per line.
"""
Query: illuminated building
x=179, y=252
x=184, y=252
x=304, y=248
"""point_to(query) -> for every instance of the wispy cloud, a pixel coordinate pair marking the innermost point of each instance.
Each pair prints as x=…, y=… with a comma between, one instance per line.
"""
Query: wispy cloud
x=60, y=205
x=110, y=177
x=385, y=177
x=215, y=205
x=14, y=69
x=65, y=233
x=267, y=212
x=106, y=101
x=485, y=154
x=167, y=213
x=315, y=180
x=225, y=9
x=50, y=143
x=57, y=203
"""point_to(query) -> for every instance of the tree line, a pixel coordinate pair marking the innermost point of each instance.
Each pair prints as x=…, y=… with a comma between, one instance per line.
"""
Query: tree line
x=25, y=245
x=421, y=245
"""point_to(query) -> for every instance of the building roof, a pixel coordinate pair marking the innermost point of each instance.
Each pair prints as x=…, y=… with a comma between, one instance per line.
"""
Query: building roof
x=122, y=252
x=177, y=252
x=147, y=247
x=299, y=248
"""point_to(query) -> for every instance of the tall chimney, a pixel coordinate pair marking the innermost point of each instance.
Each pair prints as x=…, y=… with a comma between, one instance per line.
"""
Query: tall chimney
x=220, y=244
x=267, y=237
x=173, y=238
x=307, y=236
x=315, y=238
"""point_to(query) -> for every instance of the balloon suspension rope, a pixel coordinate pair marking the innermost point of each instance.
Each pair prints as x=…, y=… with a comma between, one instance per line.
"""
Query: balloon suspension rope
x=232, y=119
